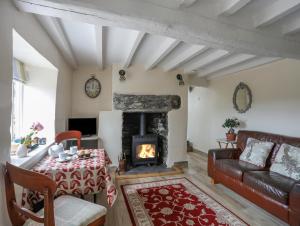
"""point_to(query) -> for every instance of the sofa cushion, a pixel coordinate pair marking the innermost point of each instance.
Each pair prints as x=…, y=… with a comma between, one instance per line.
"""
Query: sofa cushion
x=256, y=152
x=270, y=184
x=277, y=139
x=235, y=168
x=287, y=162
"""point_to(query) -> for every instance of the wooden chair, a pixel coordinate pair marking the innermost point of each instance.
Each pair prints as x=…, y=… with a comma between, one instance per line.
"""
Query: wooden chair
x=69, y=135
x=82, y=212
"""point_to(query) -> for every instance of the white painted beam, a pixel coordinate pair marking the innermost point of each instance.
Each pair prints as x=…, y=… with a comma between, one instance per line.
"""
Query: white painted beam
x=163, y=50
x=185, y=56
x=179, y=24
x=99, y=46
x=173, y=4
x=256, y=62
x=275, y=11
x=57, y=34
x=208, y=58
x=137, y=41
x=227, y=62
x=230, y=7
x=291, y=26
x=187, y=3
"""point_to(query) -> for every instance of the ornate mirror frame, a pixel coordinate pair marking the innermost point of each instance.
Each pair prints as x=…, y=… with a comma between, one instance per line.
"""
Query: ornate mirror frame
x=242, y=86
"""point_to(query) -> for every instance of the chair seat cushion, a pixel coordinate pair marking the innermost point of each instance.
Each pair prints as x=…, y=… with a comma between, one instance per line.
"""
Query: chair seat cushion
x=270, y=184
x=235, y=168
x=71, y=211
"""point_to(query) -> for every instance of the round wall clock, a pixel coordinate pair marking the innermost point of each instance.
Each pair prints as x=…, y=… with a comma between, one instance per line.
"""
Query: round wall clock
x=92, y=87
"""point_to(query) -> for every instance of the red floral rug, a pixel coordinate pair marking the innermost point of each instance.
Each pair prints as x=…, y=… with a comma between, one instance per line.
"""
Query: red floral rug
x=175, y=202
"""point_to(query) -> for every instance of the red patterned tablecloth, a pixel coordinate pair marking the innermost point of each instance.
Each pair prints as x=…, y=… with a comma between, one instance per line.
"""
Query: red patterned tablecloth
x=78, y=177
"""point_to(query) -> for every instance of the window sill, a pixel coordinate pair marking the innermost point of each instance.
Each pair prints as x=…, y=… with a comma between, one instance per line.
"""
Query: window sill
x=32, y=158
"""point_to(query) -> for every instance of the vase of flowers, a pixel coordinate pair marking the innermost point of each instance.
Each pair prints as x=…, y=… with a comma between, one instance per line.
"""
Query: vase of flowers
x=25, y=141
x=22, y=151
x=230, y=124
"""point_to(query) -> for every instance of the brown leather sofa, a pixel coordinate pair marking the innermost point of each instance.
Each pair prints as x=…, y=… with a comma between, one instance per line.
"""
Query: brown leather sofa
x=273, y=192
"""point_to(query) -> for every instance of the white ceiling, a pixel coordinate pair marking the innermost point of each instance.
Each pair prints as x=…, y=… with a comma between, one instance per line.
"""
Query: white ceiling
x=90, y=44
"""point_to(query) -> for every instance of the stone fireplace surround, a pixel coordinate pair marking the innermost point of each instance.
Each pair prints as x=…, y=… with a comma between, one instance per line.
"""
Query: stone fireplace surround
x=161, y=111
x=156, y=108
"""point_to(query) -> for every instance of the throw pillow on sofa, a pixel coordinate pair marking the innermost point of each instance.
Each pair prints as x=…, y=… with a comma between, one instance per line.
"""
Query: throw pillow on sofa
x=287, y=162
x=256, y=152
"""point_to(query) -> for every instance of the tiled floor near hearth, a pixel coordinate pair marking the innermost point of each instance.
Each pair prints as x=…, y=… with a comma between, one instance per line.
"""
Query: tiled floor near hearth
x=197, y=173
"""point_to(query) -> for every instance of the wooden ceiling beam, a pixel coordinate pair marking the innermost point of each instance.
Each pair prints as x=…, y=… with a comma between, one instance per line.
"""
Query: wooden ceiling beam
x=137, y=41
x=184, y=56
x=227, y=62
x=99, y=46
x=210, y=57
x=291, y=26
x=179, y=24
x=56, y=32
x=252, y=63
x=163, y=50
x=230, y=7
x=276, y=11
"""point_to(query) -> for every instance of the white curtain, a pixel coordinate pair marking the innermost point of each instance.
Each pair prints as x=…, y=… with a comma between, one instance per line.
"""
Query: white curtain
x=19, y=73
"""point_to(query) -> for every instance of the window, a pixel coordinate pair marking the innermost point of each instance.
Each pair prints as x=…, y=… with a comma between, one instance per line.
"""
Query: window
x=19, y=78
x=17, y=109
x=33, y=93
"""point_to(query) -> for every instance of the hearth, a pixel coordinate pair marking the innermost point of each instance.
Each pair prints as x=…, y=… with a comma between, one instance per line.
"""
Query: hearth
x=145, y=148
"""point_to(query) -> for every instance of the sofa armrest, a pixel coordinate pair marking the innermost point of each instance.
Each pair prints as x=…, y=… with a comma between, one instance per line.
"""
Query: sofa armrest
x=294, y=205
x=215, y=154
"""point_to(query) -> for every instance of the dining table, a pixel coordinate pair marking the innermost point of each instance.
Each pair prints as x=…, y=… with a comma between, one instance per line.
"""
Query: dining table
x=78, y=176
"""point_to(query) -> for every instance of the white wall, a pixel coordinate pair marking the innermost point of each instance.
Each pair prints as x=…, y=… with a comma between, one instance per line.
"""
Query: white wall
x=27, y=26
x=82, y=105
x=39, y=100
x=5, y=97
x=63, y=97
x=155, y=82
x=275, y=107
x=110, y=132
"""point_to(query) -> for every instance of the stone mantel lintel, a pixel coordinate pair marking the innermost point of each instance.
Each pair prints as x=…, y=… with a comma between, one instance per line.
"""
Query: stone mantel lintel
x=146, y=103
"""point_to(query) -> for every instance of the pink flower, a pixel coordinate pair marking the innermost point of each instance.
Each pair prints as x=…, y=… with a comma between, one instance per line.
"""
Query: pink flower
x=37, y=126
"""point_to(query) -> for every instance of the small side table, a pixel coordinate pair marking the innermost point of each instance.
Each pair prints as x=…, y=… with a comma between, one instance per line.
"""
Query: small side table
x=226, y=142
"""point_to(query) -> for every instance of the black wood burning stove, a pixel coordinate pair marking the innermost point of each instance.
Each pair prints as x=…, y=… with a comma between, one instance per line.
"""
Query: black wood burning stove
x=144, y=146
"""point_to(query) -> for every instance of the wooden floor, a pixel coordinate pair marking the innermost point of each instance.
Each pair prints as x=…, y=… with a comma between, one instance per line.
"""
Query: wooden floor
x=197, y=173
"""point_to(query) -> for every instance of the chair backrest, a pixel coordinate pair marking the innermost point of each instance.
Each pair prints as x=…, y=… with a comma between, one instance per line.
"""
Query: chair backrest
x=69, y=135
x=32, y=181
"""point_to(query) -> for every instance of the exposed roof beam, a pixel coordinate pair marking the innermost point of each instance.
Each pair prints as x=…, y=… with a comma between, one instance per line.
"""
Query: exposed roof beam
x=227, y=62
x=163, y=50
x=99, y=46
x=185, y=56
x=56, y=32
x=230, y=7
x=258, y=61
x=208, y=58
x=182, y=25
x=292, y=26
x=274, y=12
x=173, y=4
x=187, y=3
x=137, y=41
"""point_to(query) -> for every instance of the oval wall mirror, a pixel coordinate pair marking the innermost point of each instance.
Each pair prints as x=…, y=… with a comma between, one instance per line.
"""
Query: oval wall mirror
x=242, y=98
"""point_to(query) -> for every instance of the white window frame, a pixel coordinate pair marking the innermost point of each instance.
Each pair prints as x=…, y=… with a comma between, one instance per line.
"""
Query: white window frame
x=17, y=89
